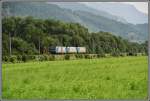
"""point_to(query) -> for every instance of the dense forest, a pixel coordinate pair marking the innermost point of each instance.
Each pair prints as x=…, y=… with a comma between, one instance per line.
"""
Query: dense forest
x=32, y=36
x=92, y=19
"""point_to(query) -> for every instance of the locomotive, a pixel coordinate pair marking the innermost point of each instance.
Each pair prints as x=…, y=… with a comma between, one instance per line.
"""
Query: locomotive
x=63, y=50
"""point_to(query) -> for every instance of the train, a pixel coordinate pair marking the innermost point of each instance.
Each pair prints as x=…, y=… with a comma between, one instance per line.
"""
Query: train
x=64, y=50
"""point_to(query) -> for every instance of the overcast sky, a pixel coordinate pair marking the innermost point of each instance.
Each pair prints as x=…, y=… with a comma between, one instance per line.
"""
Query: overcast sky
x=141, y=6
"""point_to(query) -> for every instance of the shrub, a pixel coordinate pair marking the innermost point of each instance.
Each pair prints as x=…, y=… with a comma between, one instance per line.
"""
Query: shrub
x=135, y=54
x=132, y=54
x=107, y=55
x=144, y=54
x=5, y=58
x=100, y=55
x=67, y=57
x=13, y=59
x=46, y=57
x=37, y=58
x=123, y=54
x=115, y=54
x=80, y=56
x=19, y=58
x=59, y=57
x=88, y=56
x=93, y=56
x=51, y=57
x=24, y=58
x=139, y=54
x=41, y=57
x=72, y=57
x=32, y=57
x=77, y=56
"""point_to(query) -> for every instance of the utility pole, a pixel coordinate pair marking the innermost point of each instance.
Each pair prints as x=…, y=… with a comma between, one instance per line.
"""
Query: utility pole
x=92, y=42
x=39, y=45
x=10, y=44
x=93, y=45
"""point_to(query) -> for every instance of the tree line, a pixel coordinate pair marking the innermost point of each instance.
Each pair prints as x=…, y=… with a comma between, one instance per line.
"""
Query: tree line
x=30, y=36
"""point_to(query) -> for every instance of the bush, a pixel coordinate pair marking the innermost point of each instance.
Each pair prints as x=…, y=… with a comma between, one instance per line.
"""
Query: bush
x=51, y=57
x=107, y=55
x=132, y=54
x=79, y=56
x=115, y=54
x=72, y=57
x=135, y=54
x=100, y=55
x=123, y=54
x=13, y=59
x=67, y=57
x=93, y=56
x=59, y=57
x=41, y=57
x=24, y=58
x=32, y=57
x=139, y=54
x=5, y=58
x=37, y=58
x=19, y=58
x=46, y=57
x=144, y=54
x=82, y=55
x=88, y=56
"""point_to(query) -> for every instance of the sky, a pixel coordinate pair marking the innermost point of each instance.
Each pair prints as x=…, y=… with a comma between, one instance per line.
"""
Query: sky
x=141, y=6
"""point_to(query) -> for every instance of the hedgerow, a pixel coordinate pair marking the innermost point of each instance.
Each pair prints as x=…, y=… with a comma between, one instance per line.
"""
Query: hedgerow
x=55, y=57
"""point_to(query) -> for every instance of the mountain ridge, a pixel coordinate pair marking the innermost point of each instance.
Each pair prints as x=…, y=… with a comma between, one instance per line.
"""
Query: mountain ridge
x=75, y=6
x=123, y=10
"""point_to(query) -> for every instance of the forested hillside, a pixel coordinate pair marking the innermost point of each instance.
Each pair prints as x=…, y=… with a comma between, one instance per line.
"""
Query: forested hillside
x=31, y=36
x=125, y=10
x=95, y=23
x=75, y=6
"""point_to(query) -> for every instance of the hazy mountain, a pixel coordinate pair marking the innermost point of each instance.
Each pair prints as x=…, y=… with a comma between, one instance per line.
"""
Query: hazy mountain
x=126, y=11
x=94, y=22
x=76, y=6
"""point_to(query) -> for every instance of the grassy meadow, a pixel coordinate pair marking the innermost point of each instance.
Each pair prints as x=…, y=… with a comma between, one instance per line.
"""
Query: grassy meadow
x=104, y=78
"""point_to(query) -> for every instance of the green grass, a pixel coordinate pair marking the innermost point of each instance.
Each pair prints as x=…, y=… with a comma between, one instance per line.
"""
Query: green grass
x=105, y=78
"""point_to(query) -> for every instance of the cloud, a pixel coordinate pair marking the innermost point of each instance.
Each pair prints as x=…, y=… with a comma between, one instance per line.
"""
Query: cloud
x=141, y=6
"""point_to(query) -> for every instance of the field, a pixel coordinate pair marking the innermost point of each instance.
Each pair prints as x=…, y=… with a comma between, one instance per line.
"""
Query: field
x=104, y=78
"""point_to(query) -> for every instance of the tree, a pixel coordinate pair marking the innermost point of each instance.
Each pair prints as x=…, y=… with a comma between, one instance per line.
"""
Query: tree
x=22, y=47
x=77, y=40
x=31, y=35
x=9, y=28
